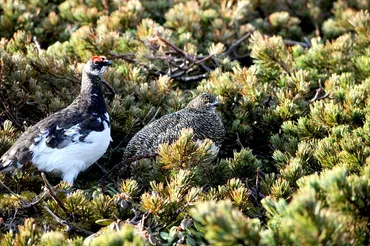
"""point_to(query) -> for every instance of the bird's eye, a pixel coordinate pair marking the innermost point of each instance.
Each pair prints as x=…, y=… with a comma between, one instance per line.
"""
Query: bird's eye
x=96, y=62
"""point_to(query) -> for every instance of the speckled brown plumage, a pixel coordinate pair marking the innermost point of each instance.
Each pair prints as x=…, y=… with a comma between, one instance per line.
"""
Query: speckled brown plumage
x=199, y=115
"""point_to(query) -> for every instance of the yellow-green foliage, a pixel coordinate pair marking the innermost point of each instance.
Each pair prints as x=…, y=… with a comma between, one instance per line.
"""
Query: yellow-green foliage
x=219, y=224
x=125, y=236
x=293, y=80
x=185, y=153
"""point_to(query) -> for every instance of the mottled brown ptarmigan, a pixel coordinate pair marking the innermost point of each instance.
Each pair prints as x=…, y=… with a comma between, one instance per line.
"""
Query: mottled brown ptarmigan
x=200, y=115
x=68, y=141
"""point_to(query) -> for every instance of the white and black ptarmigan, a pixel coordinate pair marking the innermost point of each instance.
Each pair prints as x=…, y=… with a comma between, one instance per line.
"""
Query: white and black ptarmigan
x=200, y=115
x=68, y=141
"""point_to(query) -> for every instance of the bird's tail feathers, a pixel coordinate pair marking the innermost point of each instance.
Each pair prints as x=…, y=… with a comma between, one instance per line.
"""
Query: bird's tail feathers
x=6, y=165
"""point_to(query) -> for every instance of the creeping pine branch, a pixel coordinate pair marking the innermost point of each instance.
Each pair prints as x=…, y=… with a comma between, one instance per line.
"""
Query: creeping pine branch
x=257, y=184
x=178, y=64
x=192, y=59
x=257, y=195
x=37, y=44
x=292, y=43
x=182, y=66
x=24, y=203
x=320, y=94
x=70, y=226
x=235, y=44
x=239, y=141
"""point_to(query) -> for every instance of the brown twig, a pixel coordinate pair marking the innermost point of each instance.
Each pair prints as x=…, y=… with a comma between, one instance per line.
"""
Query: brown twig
x=191, y=59
x=174, y=47
x=257, y=195
x=239, y=141
x=25, y=203
x=142, y=221
x=2, y=72
x=236, y=43
x=70, y=226
x=319, y=98
x=37, y=44
x=53, y=194
x=187, y=67
x=204, y=59
x=10, y=224
x=193, y=78
x=257, y=183
x=317, y=28
x=126, y=57
x=292, y=42
x=267, y=103
x=320, y=94
x=41, y=196
x=183, y=66
x=282, y=64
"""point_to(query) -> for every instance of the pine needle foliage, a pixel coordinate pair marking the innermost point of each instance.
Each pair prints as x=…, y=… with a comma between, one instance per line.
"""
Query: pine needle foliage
x=293, y=81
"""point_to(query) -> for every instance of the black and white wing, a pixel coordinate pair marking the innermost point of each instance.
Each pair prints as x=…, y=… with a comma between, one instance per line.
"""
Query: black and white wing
x=56, y=132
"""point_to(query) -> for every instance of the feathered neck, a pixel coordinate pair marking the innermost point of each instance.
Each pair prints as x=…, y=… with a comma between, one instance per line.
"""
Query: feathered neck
x=92, y=93
x=90, y=84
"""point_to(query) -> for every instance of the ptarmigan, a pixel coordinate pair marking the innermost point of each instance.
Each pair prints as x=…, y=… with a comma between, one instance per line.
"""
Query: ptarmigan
x=200, y=115
x=68, y=141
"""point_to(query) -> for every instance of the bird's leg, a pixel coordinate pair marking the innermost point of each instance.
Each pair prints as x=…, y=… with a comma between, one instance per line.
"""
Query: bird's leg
x=70, y=178
x=53, y=194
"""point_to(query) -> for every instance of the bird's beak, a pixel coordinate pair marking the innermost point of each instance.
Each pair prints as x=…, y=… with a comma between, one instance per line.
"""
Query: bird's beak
x=107, y=63
x=215, y=104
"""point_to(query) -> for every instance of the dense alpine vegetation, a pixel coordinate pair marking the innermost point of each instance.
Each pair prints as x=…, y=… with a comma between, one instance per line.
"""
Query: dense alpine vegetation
x=293, y=80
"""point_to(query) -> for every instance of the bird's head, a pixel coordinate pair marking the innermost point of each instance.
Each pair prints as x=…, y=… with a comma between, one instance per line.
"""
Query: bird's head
x=97, y=65
x=204, y=101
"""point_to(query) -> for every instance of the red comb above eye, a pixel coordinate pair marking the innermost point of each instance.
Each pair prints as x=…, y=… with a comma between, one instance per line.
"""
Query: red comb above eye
x=96, y=58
